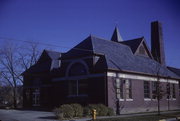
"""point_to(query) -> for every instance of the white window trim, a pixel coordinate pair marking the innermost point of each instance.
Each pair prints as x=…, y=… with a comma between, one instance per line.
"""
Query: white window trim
x=147, y=99
x=129, y=99
x=121, y=99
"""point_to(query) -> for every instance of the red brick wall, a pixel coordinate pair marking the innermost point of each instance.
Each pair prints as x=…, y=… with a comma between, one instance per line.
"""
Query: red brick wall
x=139, y=104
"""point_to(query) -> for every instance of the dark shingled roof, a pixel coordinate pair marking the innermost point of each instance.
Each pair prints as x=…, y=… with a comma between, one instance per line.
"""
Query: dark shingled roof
x=114, y=55
x=133, y=44
x=55, y=62
x=175, y=70
x=120, y=57
x=49, y=60
x=53, y=54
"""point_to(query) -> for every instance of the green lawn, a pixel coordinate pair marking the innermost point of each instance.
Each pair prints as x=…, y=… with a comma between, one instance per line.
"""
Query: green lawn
x=142, y=118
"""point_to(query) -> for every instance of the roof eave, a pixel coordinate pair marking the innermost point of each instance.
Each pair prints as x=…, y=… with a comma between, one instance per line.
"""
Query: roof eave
x=141, y=73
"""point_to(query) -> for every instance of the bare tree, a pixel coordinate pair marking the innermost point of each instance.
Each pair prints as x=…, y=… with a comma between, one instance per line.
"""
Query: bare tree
x=159, y=93
x=117, y=89
x=13, y=61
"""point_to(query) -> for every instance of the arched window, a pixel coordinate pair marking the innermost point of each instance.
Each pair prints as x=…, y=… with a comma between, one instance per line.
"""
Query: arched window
x=77, y=69
x=78, y=87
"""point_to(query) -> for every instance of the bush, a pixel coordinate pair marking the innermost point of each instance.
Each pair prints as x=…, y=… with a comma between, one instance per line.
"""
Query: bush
x=87, y=111
x=58, y=113
x=67, y=111
x=78, y=110
x=64, y=111
x=110, y=112
x=101, y=109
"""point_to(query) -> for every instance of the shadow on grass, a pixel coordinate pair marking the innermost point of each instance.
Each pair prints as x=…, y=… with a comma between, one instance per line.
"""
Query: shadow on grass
x=49, y=117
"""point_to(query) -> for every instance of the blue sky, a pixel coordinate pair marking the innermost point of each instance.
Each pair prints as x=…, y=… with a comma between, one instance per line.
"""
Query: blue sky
x=65, y=23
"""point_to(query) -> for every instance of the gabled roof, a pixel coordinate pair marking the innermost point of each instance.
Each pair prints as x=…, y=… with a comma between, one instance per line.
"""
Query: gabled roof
x=53, y=54
x=133, y=43
x=48, y=60
x=55, y=62
x=120, y=57
x=116, y=37
x=175, y=70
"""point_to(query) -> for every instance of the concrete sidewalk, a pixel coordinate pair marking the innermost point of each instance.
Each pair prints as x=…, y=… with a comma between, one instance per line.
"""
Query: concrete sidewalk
x=129, y=115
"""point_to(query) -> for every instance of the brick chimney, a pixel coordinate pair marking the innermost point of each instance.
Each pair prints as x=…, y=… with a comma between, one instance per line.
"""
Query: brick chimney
x=157, y=44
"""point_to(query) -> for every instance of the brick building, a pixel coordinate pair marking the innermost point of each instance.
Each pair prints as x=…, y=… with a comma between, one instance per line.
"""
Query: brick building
x=124, y=75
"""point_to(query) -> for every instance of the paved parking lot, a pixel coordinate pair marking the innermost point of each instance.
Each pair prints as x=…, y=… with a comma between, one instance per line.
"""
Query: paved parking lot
x=26, y=115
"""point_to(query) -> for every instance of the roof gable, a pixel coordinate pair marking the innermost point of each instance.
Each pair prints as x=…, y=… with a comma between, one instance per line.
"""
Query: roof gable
x=143, y=49
x=133, y=44
x=53, y=54
x=137, y=46
x=48, y=60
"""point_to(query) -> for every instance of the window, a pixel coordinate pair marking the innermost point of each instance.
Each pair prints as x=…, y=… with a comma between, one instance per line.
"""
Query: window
x=119, y=89
x=154, y=90
x=146, y=89
x=128, y=89
x=173, y=91
x=78, y=88
x=168, y=91
x=36, y=97
x=123, y=85
x=77, y=69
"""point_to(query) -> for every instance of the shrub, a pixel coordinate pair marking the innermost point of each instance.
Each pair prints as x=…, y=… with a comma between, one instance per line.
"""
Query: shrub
x=58, y=113
x=67, y=111
x=110, y=112
x=78, y=110
x=87, y=111
x=64, y=111
x=102, y=110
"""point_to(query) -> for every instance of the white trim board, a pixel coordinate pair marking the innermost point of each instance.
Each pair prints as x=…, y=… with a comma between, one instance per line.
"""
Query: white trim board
x=140, y=77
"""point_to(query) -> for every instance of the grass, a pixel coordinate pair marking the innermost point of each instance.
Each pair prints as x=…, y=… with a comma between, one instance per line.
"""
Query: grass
x=142, y=118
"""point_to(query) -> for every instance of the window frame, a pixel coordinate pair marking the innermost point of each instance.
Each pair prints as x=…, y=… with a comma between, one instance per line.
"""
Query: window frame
x=36, y=97
x=173, y=91
x=76, y=91
x=147, y=84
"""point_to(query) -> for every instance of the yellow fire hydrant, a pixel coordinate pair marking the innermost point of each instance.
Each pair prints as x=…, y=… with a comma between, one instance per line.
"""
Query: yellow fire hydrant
x=94, y=114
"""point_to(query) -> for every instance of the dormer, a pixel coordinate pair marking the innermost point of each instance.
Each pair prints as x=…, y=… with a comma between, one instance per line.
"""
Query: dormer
x=139, y=47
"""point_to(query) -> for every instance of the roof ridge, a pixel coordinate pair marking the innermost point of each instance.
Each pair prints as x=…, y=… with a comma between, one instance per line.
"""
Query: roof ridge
x=117, y=43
